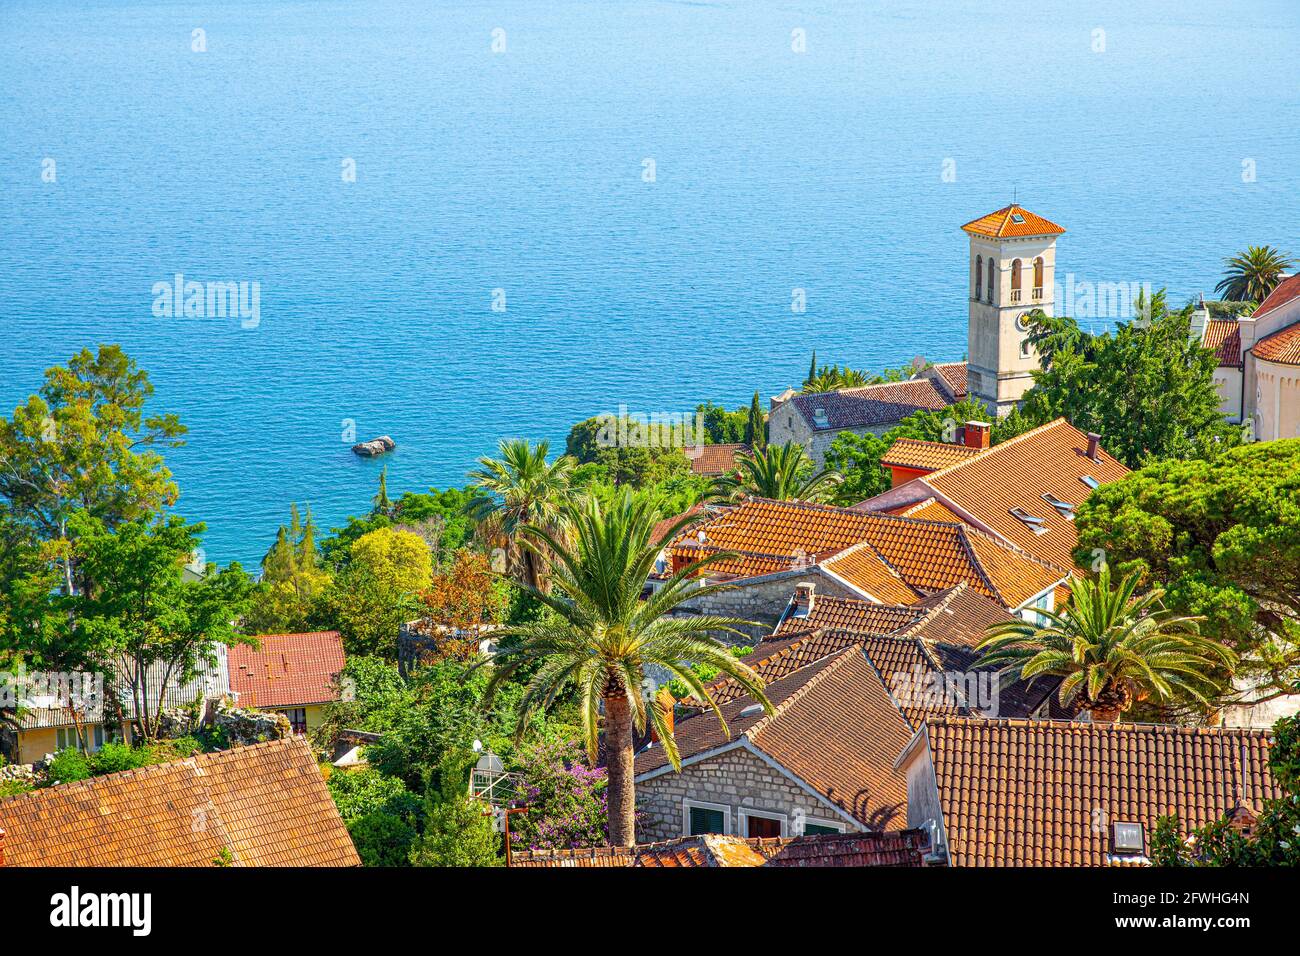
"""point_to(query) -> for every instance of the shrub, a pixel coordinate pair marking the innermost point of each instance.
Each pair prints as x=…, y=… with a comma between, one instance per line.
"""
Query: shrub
x=458, y=833
x=382, y=839
x=68, y=765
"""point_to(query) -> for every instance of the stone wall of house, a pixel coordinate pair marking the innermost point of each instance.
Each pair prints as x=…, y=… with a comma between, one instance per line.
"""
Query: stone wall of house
x=785, y=424
x=736, y=779
x=763, y=602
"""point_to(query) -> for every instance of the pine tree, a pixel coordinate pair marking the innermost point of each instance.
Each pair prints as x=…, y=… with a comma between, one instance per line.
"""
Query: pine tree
x=382, y=504
x=755, y=430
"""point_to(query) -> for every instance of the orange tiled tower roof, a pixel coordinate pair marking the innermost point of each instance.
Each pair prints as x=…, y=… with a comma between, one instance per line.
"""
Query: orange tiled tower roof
x=1011, y=222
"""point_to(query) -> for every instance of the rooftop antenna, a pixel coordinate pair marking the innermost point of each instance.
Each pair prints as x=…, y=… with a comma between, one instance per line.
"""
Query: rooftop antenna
x=1014, y=193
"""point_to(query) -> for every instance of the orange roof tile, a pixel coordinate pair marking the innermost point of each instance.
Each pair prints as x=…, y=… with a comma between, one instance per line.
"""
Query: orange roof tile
x=928, y=455
x=921, y=556
x=1282, y=346
x=1223, y=337
x=1031, y=792
x=1049, y=460
x=869, y=406
x=862, y=617
x=287, y=670
x=953, y=376
x=714, y=459
x=1283, y=292
x=1012, y=222
x=265, y=805
x=931, y=509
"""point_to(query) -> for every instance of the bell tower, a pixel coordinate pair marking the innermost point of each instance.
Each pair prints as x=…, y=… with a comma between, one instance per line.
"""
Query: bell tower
x=1012, y=272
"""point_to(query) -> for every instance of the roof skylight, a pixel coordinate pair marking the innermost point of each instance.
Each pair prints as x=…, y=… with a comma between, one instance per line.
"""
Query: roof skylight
x=1036, y=524
x=1090, y=481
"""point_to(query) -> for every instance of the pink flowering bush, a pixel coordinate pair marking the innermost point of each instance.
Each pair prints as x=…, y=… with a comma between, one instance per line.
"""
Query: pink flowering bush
x=565, y=798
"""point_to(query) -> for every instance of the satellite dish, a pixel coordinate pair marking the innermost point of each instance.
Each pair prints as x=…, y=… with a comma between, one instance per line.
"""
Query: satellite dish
x=478, y=745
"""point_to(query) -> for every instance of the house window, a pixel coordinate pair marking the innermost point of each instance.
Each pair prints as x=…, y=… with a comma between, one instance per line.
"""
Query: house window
x=66, y=737
x=701, y=818
x=812, y=827
x=1033, y=522
x=297, y=719
x=761, y=823
x=1128, y=839
x=1038, y=278
x=979, y=277
x=1015, y=280
x=990, y=280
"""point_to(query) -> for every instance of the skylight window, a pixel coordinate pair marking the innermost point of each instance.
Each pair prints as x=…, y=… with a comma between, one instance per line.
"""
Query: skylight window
x=752, y=710
x=1128, y=838
x=1036, y=524
x=1017, y=218
x=1065, y=509
x=1090, y=481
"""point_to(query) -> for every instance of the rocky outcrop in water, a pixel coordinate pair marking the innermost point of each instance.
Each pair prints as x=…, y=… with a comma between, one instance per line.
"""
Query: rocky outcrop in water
x=376, y=446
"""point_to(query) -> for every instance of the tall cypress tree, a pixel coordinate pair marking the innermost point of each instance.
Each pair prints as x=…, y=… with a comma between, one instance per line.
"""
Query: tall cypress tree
x=812, y=369
x=755, y=429
x=382, y=504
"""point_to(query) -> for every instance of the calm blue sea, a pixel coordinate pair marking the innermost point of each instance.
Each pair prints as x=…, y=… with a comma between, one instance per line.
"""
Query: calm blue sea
x=525, y=171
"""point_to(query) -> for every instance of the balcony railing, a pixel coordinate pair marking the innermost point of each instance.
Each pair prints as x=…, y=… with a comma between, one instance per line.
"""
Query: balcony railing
x=1038, y=293
x=1015, y=295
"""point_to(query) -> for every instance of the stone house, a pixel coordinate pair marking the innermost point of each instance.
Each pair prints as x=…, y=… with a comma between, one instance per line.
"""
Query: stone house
x=813, y=420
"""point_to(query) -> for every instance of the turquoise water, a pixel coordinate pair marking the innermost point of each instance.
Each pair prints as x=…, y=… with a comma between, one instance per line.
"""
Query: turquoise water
x=523, y=171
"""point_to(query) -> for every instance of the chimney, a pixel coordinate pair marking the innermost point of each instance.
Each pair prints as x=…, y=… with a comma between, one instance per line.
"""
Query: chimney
x=1094, y=445
x=664, y=702
x=819, y=417
x=803, y=599
x=976, y=434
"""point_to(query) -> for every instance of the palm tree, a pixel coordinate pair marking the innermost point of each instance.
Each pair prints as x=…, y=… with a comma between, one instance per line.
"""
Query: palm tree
x=1253, y=274
x=1111, y=647
x=783, y=472
x=601, y=637
x=517, y=489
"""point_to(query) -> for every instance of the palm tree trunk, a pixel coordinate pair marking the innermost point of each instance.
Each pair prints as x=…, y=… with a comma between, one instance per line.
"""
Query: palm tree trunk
x=618, y=763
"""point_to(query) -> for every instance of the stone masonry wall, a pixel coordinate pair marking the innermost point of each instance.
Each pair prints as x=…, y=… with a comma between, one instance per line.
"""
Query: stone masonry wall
x=737, y=779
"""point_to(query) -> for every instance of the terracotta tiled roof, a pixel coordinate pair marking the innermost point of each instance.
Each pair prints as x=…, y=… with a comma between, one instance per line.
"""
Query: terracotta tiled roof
x=930, y=455
x=863, y=567
x=714, y=459
x=1031, y=793
x=899, y=848
x=1051, y=459
x=862, y=617
x=266, y=805
x=1283, y=292
x=1282, y=346
x=834, y=728
x=1011, y=222
x=287, y=670
x=870, y=405
x=953, y=375
x=927, y=556
x=1223, y=338
x=959, y=616
x=931, y=509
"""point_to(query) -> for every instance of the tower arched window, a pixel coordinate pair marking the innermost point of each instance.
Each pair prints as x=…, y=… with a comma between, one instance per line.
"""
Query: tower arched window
x=1015, y=280
x=1038, y=279
x=979, y=278
x=990, y=279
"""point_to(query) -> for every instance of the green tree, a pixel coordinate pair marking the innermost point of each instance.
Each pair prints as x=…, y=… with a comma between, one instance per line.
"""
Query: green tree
x=1251, y=275
x=381, y=504
x=756, y=427
x=378, y=590
x=1112, y=647
x=722, y=427
x=382, y=839
x=601, y=636
x=1222, y=538
x=1148, y=388
x=83, y=443
x=459, y=832
x=783, y=472
x=292, y=582
x=142, y=615
x=520, y=488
